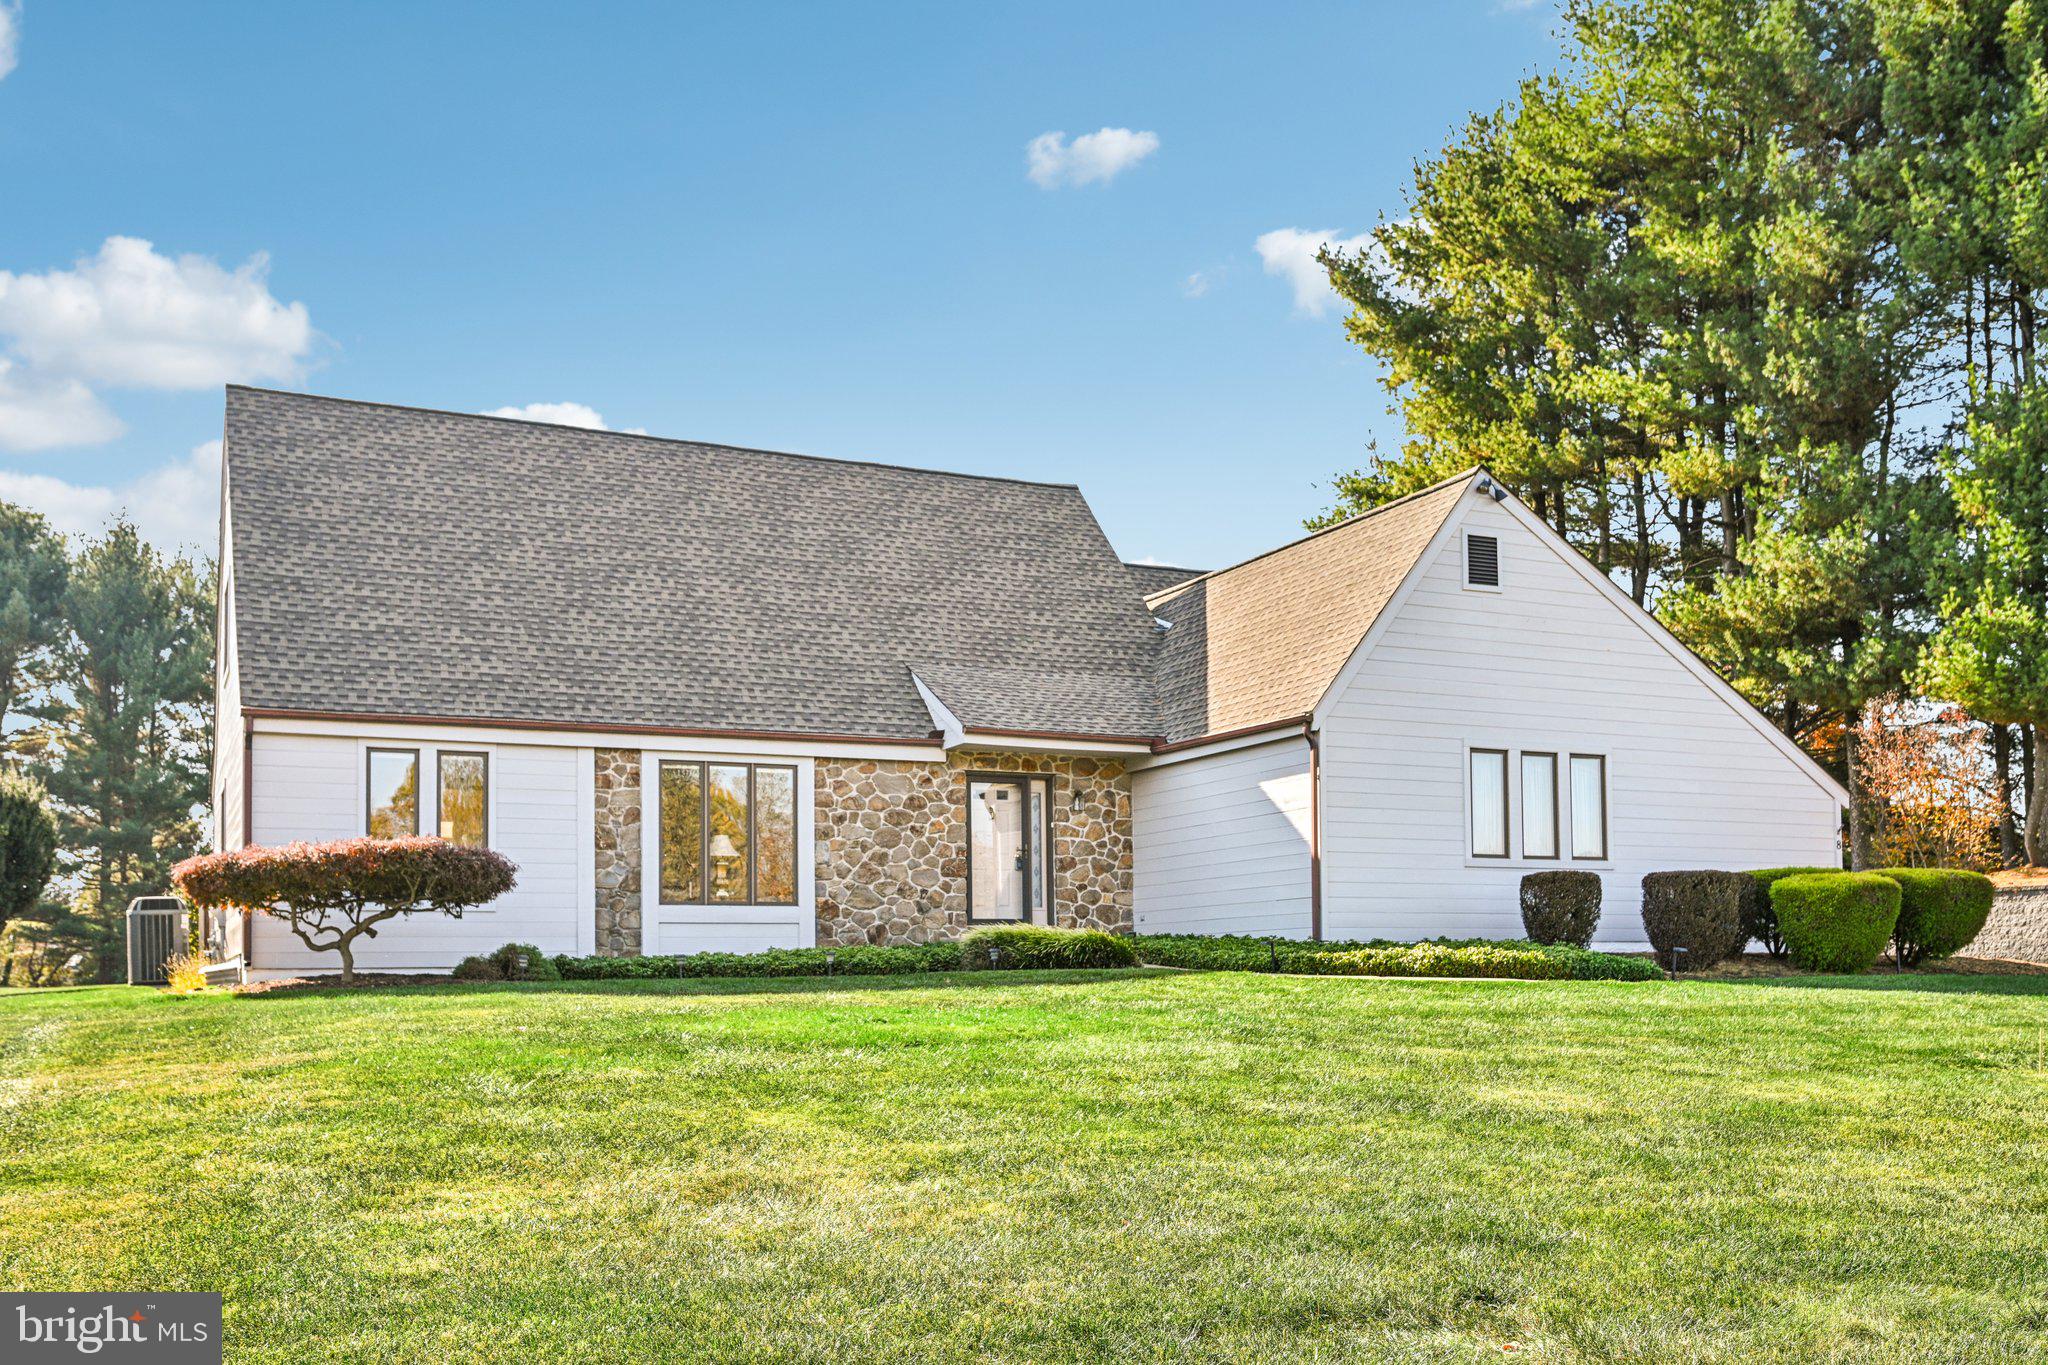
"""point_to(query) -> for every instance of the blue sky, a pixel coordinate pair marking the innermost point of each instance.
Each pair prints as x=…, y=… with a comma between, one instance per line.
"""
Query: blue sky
x=810, y=228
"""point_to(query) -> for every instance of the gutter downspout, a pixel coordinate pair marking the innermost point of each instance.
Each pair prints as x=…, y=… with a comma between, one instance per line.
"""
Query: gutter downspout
x=1315, y=830
x=248, y=831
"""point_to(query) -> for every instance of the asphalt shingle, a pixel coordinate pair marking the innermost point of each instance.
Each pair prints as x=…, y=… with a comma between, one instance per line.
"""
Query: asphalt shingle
x=398, y=561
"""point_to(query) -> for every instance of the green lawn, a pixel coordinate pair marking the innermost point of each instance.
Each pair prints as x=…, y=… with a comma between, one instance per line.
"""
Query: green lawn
x=1032, y=1167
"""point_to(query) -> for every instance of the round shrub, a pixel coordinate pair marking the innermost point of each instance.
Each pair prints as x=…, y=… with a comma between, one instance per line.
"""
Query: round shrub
x=1759, y=921
x=1700, y=912
x=1940, y=910
x=539, y=966
x=1835, y=921
x=478, y=969
x=1561, y=907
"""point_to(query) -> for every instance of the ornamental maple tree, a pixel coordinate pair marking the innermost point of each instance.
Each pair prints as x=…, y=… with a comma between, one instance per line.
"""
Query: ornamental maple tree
x=331, y=894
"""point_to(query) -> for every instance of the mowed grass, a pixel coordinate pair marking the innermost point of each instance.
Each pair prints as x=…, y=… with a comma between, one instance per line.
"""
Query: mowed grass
x=1138, y=1166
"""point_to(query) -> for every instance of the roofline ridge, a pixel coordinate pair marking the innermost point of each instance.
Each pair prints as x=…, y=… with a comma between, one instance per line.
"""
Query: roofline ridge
x=1349, y=521
x=664, y=440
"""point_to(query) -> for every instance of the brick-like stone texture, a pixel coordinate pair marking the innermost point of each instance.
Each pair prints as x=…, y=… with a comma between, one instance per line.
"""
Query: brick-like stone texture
x=618, y=852
x=891, y=844
x=2018, y=927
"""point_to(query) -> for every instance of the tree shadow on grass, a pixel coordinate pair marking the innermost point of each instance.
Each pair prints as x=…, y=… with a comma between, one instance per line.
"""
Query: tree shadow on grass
x=1883, y=979
x=728, y=985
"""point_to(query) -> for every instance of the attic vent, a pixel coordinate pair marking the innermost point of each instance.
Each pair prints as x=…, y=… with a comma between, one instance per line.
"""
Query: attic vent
x=1482, y=561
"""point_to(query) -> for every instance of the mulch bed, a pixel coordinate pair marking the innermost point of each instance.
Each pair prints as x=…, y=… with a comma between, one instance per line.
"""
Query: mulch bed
x=363, y=981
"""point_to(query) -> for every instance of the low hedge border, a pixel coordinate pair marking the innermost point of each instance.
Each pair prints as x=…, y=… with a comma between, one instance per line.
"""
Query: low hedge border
x=1021, y=947
x=1511, y=959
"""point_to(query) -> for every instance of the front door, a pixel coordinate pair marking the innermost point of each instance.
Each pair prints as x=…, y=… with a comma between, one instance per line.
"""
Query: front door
x=1006, y=866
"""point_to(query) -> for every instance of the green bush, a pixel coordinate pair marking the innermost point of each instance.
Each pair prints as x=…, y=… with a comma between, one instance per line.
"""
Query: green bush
x=1031, y=946
x=1940, y=910
x=1835, y=921
x=1759, y=921
x=1700, y=912
x=479, y=969
x=1561, y=907
x=539, y=966
x=854, y=960
x=634, y=968
x=1512, y=959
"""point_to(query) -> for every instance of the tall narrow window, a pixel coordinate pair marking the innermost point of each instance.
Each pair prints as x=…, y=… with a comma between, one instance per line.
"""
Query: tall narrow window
x=1489, y=803
x=682, y=833
x=1539, y=805
x=725, y=850
x=464, y=781
x=393, y=806
x=775, y=836
x=1589, y=806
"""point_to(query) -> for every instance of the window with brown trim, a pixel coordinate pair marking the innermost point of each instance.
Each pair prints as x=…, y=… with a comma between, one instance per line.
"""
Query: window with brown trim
x=1589, y=806
x=1539, y=805
x=391, y=806
x=727, y=833
x=462, y=785
x=1488, y=797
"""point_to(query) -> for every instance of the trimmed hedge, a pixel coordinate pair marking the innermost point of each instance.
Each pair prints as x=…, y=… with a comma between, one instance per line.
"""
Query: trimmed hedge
x=1512, y=959
x=1758, y=919
x=854, y=960
x=1033, y=947
x=1561, y=907
x=1940, y=910
x=1836, y=921
x=1698, y=911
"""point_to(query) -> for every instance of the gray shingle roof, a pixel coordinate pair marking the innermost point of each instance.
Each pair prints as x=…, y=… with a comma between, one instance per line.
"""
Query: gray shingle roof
x=1152, y=578
x=1260, y=642
x=396, y=561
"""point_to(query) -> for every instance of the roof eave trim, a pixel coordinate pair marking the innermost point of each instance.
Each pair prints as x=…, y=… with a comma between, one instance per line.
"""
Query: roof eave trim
x=582, y=727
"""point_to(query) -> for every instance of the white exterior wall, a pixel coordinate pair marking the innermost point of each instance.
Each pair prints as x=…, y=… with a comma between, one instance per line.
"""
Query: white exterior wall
x=1221, y=843
x=1545, y=663
x=312, y=787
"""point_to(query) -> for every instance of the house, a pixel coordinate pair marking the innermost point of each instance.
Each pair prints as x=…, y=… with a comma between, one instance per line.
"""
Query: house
x=714, y=698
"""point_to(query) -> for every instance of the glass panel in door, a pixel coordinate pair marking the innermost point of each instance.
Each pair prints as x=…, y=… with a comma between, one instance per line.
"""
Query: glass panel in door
x=999, y=839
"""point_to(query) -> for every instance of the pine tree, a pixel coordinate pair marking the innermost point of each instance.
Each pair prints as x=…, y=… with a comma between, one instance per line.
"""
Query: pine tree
x=125, y=741
x=33, y=570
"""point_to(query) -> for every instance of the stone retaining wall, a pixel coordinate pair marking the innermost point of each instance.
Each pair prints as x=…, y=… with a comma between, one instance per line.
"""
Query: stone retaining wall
x=2018, y=927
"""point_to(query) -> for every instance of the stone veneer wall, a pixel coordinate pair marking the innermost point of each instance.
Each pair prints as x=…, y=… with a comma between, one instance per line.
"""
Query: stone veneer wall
x=618, y=852
x=891, y=845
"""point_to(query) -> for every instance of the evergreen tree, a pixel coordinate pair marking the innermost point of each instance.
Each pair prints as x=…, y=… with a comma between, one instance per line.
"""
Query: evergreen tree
x=33, y=570
x=125, y=730
x=28, y=846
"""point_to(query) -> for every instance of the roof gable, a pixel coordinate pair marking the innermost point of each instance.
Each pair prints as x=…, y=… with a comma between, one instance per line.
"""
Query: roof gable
x=1261, y=642
x=399, y=561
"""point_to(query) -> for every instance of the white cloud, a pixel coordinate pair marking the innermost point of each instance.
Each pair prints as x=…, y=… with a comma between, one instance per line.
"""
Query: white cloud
x=563, y=414
x=10, y=37
x=1197, y=284
x=39, y=413
x=1290, y=253
x=1052, y=161
x=132, y=317
x=176, y=507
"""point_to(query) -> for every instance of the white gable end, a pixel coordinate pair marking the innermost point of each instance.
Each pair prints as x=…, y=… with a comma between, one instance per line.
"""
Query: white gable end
x=1546, y=662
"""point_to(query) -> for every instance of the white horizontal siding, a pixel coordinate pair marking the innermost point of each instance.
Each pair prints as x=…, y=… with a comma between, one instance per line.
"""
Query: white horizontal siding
x=1546, y=663
x=1221, y=844
x=311, y=787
